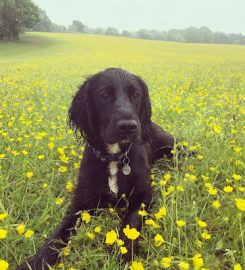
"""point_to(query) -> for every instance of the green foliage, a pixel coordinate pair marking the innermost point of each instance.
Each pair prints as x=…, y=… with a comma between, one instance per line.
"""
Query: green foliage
x=111, y=31
x=16, y=16
x=77, y=27
x=44, y=24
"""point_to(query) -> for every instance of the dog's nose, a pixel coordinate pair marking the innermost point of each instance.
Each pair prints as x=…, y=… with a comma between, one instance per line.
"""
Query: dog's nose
x=127, y=126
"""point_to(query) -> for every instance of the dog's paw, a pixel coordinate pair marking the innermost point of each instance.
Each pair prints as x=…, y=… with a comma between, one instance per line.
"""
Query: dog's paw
x=41, y=261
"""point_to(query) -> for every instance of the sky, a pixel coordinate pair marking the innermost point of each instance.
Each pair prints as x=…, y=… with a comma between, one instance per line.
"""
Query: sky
x=219, y=15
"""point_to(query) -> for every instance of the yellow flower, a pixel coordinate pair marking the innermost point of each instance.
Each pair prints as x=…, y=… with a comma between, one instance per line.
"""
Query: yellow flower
x=197, y=261
x=90, y=235
x=40, y=157
x=216, y=204
x=163, y=183
x=236, y=177
x=165, y=262
x=167, y=177
x=86, y=217
x=170, y=190
x=69, y=186
x=21, y=229
x=3, y=265
x=29, y=233
x=158, y=240
x=185, y=144
x=111, y=210
x=237, y=266
x=180, y=223
x=29, y=174
x=123, y=250
x=142, y=213
x=205, y=235
x=212, y=191
x=240, y=204
x=59, y=201
x=217, y=128
x=238, y=149
x=136, y=266
x=183, y=266
x=66, y=251
x=161, y=213
x=45, y=185
x=110, y=237
x=199, y=157
x=51, y=145
x=201, y=223
x=152, y=223
x=97, y=229
x=60, y=265
x=120, y=242
x=76, y=165
x=64, y=158
x=180, y=188
x=61, y=150
x=238, y=162
x=62, y=169
x=3, y=216
x=228, y=189
x=241, y=189
x=198, y=243
x=3, y=233
x=205, y=178
x=131, y=233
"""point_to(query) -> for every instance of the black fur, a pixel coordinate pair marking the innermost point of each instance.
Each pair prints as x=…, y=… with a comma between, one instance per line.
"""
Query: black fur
x=112, y=106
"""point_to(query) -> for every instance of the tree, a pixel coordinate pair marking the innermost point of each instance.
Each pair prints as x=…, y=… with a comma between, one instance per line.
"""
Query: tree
x=125, y=33
x=192, y=34
x=77, y=27
x=176, y=35
x=206, y=34
x=220, y=37
x=144, y=33
x=44, y=24
x=17, y=16
x=111, y=31
x=58, y=28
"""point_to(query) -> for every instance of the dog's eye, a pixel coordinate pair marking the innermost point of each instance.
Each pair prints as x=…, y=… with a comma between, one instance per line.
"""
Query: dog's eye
x=105, y=96
x=135, y=95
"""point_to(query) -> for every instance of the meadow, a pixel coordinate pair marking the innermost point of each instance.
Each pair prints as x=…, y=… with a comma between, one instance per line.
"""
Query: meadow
x=197, y=91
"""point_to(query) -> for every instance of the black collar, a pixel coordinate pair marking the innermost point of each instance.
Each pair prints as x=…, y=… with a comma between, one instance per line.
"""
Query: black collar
x=110, y=157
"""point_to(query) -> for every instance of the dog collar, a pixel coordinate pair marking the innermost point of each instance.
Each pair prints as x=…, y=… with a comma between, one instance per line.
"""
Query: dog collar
x=109, y=157
x=121, y=157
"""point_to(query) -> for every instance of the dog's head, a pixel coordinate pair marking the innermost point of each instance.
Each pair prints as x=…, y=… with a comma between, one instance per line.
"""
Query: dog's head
x=112, y=106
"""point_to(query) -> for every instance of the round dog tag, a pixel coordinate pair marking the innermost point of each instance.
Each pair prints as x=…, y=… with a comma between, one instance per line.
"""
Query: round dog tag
x=126, y=169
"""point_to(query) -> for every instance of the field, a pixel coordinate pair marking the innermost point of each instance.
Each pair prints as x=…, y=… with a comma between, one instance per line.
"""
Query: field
x=197, y=93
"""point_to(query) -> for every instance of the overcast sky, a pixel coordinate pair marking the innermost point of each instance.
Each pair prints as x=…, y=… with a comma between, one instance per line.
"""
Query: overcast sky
x=219, y=15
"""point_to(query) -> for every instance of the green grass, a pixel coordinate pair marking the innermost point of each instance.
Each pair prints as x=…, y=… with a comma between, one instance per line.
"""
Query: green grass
x=197, y=94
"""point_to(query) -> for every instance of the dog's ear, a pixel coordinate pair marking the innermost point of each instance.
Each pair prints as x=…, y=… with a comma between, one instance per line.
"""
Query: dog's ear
x=80, y=112
x=145, y=112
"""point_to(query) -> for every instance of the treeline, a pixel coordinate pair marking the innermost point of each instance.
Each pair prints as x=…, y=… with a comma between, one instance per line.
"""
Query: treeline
x=16, y=16
x=190, y=34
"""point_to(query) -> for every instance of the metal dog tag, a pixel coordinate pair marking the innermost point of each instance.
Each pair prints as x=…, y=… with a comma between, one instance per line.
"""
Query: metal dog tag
x=126, y=169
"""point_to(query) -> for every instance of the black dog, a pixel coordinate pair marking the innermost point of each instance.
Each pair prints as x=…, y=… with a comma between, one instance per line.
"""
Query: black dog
x=112, y=111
